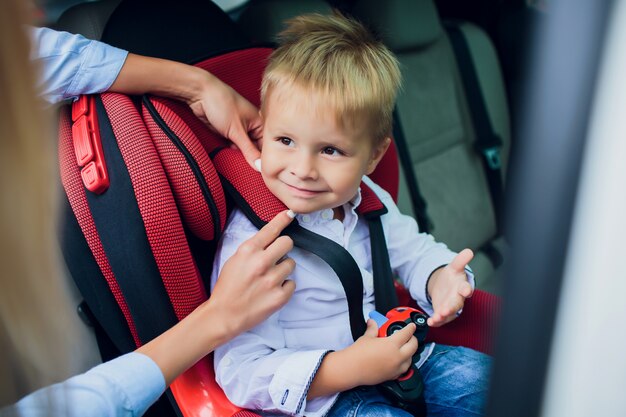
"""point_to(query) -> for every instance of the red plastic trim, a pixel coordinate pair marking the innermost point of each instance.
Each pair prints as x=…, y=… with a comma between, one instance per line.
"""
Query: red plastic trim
x=408, y=374
x=197, y=394
x=88, y=145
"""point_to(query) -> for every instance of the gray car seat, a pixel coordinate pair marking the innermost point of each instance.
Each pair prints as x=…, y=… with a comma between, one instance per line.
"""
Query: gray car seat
x=434, y=115
x=88, y=18
x=436, y=122
x=261, y=20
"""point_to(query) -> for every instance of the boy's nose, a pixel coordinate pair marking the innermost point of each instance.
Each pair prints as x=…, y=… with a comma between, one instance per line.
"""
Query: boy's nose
x=304, y=168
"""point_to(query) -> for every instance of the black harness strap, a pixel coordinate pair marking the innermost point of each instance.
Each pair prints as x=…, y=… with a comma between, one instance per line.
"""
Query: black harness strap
x=384, y=290
x=93, y=286
x=332, y=253
x=131, y=260
x=487, y=142
x=417, y=200
x=344, y=266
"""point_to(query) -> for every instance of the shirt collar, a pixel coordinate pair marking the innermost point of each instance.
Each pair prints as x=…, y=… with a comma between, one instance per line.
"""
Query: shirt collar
x=326, y=214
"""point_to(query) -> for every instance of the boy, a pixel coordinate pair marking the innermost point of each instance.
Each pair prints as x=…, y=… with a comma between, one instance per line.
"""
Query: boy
x=327, y=99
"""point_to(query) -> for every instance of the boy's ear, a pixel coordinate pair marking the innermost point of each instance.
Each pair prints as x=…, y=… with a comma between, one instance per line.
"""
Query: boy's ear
x=377, y=154
x=259, y=142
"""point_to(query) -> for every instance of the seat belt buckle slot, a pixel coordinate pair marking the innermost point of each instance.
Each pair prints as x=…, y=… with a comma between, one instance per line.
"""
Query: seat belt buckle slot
x=492, y=156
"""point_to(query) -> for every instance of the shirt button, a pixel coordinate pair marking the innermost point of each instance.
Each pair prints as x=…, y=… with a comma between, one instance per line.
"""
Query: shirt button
x=306, y=218
x=227, y=361
x=327, y=214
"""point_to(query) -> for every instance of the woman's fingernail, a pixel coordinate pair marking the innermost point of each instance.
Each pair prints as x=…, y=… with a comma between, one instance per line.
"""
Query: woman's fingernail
x=257, y=164
x=291, y=213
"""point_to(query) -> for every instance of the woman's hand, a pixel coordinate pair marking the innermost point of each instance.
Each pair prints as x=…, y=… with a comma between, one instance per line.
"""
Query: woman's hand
x=253, y=282
x=217, y=104
x=231, y=115
x=252, y=285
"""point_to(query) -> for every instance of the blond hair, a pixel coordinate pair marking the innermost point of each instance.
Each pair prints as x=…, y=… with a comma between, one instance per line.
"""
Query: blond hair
x=339, y=58
x=37, y=324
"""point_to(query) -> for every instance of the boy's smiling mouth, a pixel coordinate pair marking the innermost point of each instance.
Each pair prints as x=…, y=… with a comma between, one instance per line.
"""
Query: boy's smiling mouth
x=302, y=192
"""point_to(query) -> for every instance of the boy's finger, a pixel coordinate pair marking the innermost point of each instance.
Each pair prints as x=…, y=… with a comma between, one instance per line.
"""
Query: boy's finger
x=272, y=229
x=465, y=290
x=404, y=335
x=372, y=328
x=461, y=260
x=410, y=347
x=435, y=320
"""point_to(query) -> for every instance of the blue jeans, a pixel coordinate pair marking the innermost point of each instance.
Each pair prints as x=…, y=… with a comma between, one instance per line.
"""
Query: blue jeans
x=456, y=380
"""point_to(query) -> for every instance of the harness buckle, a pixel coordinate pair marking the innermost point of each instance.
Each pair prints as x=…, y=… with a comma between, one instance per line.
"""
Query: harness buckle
x=88, y=145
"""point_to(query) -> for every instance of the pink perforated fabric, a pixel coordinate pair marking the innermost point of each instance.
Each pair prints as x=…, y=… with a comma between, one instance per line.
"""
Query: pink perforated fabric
x=75, y=190
x=232, y=165
x=369, y=200
x=188, y=192
x=242, y=70
x=156, y=204
x=387, y=173
x=245, y=413
x=209, y=139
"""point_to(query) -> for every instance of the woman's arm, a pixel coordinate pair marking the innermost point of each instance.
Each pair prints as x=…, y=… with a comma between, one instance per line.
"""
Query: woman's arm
x=251, y=287
x=210, y=99
x=71, y=65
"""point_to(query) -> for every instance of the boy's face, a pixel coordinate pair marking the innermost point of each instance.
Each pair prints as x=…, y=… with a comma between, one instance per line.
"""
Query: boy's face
x=308, y=160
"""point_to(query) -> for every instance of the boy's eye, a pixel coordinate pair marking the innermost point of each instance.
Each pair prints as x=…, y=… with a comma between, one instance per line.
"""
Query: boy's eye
x=329, y=150
x=285, y=141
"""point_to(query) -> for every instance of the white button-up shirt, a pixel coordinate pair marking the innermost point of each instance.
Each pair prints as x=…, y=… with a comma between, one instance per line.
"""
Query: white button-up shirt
x=271, y=367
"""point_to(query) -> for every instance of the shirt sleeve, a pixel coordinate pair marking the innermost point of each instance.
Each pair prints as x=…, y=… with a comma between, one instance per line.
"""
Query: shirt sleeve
x=70, y=65
x=256, y=369
x=125, y=386
x=414, y=256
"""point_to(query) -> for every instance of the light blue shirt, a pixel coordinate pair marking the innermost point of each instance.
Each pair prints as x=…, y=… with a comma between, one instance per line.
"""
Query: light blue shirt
x=125, y=386
x=71, y=65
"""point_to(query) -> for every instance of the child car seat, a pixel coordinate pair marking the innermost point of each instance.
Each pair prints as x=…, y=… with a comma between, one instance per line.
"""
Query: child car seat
x=149, y=208
x=145, y=207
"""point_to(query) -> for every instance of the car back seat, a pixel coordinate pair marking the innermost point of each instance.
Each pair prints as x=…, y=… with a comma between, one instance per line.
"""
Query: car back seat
x=434, y=117
x=261, y=20
x=87, y=18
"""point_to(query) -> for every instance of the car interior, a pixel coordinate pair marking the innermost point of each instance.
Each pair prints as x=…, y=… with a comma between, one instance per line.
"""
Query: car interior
x=445, y=182
x=455, y=117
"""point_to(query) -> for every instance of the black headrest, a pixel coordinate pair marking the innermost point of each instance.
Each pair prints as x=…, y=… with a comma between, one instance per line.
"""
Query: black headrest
x=181, y=30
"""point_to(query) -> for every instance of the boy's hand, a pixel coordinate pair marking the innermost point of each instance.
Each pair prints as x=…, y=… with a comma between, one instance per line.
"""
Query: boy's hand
x=377, y=359
x=448, y=288
x=368, y=361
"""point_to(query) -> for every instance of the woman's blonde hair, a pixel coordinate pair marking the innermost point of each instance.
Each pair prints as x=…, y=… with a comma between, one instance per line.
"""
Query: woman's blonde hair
x=37, y=326
x=339, y=58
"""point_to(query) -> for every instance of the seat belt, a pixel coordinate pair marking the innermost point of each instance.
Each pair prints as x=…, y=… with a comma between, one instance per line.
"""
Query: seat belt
x=417, y=200
x=385, y=296
x=487, y=143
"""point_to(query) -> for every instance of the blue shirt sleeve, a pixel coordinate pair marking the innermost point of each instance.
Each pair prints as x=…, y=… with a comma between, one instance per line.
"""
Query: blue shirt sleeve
x=125, y=386
x=70, y=65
